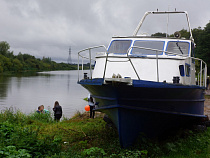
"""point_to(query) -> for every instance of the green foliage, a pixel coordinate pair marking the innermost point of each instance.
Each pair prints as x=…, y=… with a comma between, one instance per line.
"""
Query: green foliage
x=12, y=152
x=159, y=34
x=94, y=152
x=20, y=138
x=4, y=47
x=203, y=45
x=130, y=154
x=12, y=116
x=26, y=62
x=37, y=135
x=47, y=117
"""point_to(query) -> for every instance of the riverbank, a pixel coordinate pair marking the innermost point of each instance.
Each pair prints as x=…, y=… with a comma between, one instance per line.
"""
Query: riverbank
x=37, y=135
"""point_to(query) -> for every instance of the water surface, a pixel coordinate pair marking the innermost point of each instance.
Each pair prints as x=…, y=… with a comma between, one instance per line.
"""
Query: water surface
x=27, y=92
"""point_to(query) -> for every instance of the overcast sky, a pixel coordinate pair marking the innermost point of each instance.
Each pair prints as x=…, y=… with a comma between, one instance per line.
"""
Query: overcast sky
x=48, y=27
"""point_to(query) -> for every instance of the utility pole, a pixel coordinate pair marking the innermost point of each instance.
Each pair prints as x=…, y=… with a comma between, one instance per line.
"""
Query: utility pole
x=69, y=58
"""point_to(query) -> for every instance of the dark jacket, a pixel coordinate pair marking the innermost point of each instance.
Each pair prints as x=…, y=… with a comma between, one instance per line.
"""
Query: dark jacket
x=57, y=110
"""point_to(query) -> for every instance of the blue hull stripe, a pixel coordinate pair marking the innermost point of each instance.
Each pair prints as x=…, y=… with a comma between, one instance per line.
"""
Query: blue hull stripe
x=147, y=109
x=151, y=100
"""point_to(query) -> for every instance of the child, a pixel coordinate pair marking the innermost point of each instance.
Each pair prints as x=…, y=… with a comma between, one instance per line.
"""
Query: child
x=40, y=109
x=45, y=111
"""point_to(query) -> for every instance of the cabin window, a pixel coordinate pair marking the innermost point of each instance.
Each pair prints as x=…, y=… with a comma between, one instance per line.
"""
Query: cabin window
x=187, y=69
x=159, y=45
x=119, y=46
x=178, y=47
x=181, y=70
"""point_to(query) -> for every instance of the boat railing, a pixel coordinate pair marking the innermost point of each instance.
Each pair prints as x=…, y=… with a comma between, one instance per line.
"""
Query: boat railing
x=164, y=12
x=201, y=74
x=89, y=58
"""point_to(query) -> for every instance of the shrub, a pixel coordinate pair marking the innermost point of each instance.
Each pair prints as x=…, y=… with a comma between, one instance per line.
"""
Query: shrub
x=94, y=152
x=11, y=151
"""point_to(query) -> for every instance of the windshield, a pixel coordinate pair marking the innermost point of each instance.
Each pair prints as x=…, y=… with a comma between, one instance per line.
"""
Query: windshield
x=119, y=46
x=178, y=47
x=148, y=44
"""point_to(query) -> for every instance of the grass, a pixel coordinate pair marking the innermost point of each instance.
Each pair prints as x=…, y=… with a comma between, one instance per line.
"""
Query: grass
x=85, y=99
x=37, y=135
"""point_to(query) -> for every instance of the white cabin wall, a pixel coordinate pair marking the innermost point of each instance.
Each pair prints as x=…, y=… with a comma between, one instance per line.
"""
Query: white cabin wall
x=146, y=68
x=123, y=68
x=99, y=68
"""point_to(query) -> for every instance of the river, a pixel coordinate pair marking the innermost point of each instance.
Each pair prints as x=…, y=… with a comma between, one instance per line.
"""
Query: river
x=26, y=92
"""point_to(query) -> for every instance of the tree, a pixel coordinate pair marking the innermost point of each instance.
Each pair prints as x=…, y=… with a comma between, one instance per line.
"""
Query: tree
x=184, y=33
x=17, y=66
x=203, y=45
x=4, y=47
x=159, y=34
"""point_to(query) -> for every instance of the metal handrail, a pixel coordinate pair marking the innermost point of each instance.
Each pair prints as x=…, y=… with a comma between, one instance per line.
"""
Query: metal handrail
x=163, y=12
x=89, y=49
x=202, y=73
x=171, y=53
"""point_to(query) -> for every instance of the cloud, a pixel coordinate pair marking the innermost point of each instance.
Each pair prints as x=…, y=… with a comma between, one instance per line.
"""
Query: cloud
x=49, y=27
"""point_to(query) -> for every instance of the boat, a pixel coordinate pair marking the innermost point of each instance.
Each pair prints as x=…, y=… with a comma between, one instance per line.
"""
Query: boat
x=146, y=84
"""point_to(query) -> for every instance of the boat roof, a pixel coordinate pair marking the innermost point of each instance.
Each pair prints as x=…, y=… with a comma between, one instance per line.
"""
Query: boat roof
x=157, y=37
x=150, y=38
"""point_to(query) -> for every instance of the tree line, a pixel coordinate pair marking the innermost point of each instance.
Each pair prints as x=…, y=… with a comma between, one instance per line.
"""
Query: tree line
x=26, y=62
x=202, y=40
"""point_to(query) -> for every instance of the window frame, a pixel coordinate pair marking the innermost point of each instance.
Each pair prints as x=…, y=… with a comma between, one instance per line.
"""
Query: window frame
x=187, y=68
x=151, y=48
x=180, y=52
x=119, y=40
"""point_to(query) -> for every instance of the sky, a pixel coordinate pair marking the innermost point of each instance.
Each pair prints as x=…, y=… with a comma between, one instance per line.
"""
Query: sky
x=47, y=28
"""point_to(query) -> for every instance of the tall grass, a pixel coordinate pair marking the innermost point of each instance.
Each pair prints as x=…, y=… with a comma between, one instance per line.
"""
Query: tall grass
x=37, y=135
x=15, y=116
x=21, y=133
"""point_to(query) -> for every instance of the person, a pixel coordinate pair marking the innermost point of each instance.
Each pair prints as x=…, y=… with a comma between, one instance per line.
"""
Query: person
x=45, y=111
x=92, y=106
x=40, y=109
x=57, y=111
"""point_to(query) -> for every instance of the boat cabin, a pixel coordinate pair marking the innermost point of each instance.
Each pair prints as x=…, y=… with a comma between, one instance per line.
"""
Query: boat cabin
x=171, y=56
